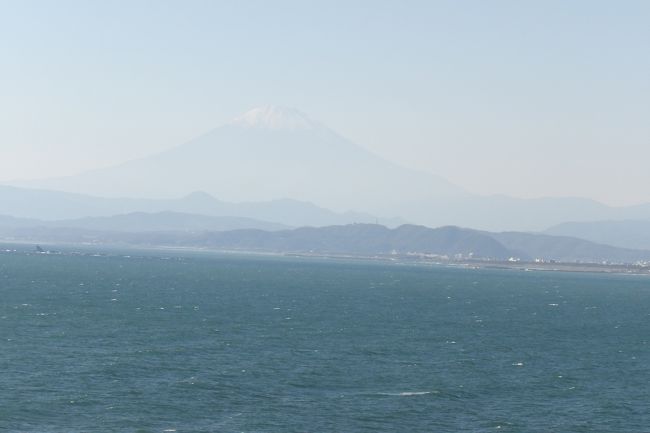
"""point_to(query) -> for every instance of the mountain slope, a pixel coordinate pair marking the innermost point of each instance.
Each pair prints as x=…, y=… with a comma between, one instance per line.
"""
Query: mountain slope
x=266, y=154
x=166, y=221
x=624, y=233
x=566, y=249
x=273, y=153
x=57, y=205
x=502, y=213
x=140, y=222
x=13, y=222
x=370, y=239
x=353, y=239
x=365, y=239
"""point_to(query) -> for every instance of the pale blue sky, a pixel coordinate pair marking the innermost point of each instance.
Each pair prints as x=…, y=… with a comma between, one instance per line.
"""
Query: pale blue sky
x=531, y=98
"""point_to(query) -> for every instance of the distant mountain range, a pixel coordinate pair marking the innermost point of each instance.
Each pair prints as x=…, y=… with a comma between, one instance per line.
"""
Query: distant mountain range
x=566, y=249
x=352, y=239
x=271, y=153
x=144, y=222
x=265, y=154
x=501, y=213
x=624, y=234
x=56, y=205
x=362, y=239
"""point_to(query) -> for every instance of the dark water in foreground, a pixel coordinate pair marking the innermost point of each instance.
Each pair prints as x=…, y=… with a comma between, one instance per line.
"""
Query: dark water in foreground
x=245, y=344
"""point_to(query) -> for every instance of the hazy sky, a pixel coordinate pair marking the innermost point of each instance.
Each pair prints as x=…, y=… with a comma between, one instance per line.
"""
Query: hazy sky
x=527, y=98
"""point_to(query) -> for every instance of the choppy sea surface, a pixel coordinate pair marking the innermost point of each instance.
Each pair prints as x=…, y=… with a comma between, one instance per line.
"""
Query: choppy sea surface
x=140, y=342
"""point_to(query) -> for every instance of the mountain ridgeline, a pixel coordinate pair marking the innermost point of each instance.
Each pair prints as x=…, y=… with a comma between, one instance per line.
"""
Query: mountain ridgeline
x=279, y=155
x=624, y=233
x=450, y=242
x=144, y=222
x=266, y=154
x=48, y=205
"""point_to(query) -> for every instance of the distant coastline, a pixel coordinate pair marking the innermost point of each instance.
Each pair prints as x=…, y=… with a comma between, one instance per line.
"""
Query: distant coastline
x=91, y=249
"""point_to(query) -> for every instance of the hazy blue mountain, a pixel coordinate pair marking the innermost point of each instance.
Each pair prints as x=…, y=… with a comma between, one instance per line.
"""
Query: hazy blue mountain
x=10, y=221
x=144, y=222
x=449, y=240
x=353, y=239
x=567, y=249
x=624, y=233
x=502, y=213
x=365, y=239
x=57, y=205
x=167, y=221
x=266, y=154
x=272, y=152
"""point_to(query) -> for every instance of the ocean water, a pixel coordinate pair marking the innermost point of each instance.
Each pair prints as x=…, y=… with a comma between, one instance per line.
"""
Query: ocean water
x=140, y=342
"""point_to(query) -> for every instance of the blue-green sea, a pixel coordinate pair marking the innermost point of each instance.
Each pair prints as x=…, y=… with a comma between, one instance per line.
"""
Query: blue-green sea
x=187, y=342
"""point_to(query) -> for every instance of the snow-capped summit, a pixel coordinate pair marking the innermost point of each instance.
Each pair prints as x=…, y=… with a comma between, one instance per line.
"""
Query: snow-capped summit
x=268, y=153
x=275, y=118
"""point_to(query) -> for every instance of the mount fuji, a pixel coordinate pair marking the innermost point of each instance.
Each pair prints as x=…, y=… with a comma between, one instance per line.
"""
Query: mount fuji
x=267, y=153
x=273, y=153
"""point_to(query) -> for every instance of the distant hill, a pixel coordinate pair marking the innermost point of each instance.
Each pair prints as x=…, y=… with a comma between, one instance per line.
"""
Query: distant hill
x=13, y=222
x=57, y=205
x=264, y=154
x=141, y=222
x=502, y=213
x=272, y=153
x=624, y=233
x=167, y=221
x=449, y=240
x=364, y=239
x=566, y=249
x=352, y=239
